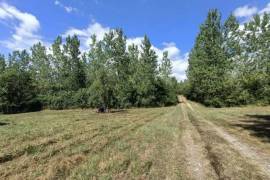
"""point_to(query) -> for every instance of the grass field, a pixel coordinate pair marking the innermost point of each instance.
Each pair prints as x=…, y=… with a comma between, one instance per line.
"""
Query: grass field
x=187, y=141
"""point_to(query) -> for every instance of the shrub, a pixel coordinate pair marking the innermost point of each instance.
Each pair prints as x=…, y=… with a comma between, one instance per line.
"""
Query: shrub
x=69, y=99
x=17, y=93
x=61, y=100
x=81, y=98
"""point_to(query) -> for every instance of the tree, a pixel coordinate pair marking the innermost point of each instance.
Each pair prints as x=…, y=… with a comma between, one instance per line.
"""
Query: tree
x=19, y=60
x=2, y=64
x=207, y=63
x=101, y=75
x=74, y=66
x=165, y=69
x=229, y=64
x=115, y=51
x=17, y=92
x=134, y=75
x=59, y=63
x=41, y=68
x=166, y=87
x=232, y=38
x=147, y=70
x=257, y=34
x=110, y=75
x=148, y=58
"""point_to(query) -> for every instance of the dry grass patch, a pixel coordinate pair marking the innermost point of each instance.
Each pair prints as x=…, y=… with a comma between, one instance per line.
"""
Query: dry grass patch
x=79, y=144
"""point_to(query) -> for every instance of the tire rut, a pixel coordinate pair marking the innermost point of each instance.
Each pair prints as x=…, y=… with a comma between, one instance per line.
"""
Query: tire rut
x=249, y=152
x=198, y=165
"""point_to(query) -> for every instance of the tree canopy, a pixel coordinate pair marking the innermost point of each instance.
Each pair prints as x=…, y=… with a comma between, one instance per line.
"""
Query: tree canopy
x=110, y=74
x=229, y=63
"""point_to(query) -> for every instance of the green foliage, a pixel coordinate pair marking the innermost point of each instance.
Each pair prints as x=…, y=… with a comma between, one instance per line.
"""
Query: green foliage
x=165, y=69
x=165, y=91
x=2, y=64
x=61, y=100
x=183, y=88
x=81, y=98
x=17, y=92
x=229, y=65
x=207, y=70
x=148, y=70
x=69, y=99
x=41, y=67
x=121, y=77
x=109, y=75
x=74, y=70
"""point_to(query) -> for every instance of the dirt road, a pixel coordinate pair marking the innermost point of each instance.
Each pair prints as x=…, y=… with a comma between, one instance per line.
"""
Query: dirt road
x=213, y=153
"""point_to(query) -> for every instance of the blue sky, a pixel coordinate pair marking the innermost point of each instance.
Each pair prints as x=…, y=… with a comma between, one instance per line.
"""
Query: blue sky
x=172, y=25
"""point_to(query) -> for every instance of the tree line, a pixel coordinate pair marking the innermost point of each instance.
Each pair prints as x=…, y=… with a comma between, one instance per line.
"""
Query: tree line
x=229, y=64
x=110, y=74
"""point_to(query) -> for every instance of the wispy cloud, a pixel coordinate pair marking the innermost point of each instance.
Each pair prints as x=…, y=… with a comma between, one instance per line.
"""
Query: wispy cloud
x=68, y=9
x=25, y=27
x=245, y=11
x=266, y=9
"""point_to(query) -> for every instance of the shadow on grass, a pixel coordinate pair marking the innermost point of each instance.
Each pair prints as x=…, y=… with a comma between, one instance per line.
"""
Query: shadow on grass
x=258, y=125
x=3, y=123
x=118, y=111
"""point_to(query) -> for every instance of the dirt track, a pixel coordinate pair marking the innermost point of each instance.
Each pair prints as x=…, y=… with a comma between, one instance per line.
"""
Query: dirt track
x=213, y=153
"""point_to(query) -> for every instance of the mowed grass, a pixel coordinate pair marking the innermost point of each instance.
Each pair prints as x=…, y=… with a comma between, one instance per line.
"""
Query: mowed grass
x=144, y=143
x=82, y=144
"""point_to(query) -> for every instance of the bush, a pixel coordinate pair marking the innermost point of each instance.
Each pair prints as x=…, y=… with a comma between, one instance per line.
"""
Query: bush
x=183, y=88
x=81, y=98
x=61, y=100
x=214, y=102
x=31, y=106
x=165, y=93
x=17, y=93
x=68, y=99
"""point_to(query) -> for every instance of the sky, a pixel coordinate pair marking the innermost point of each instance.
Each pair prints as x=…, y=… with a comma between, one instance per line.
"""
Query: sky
x=172, y=25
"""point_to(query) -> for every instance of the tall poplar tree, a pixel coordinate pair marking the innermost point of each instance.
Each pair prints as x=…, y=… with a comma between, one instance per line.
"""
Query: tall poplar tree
x=58, y=60
x=207, y=63
x=75, y=73
x=148, y=72
x=41, y=67
x=165, y=68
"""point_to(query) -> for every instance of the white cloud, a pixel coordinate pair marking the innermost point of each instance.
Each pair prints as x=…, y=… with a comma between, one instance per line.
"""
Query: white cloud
x=57, y=2
x=24, y=25
x=68, y=9
x=180, y=66
x=266, y=9
x=240, y=12
x=173, y=51
x=245, y=11
x=85, y=34
x=179, y=61
x=136, y=41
